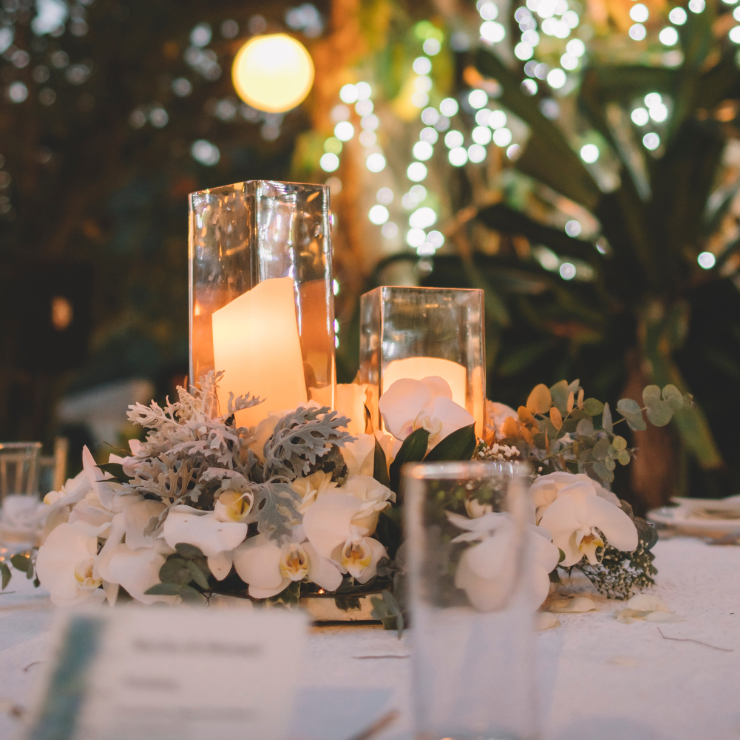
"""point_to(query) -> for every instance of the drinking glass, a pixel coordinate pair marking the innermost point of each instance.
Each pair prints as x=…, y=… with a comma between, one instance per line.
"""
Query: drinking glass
x=19, y=466
x=467, y=525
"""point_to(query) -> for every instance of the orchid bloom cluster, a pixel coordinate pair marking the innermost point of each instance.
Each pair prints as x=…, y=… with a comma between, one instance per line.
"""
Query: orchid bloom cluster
x=203, y=506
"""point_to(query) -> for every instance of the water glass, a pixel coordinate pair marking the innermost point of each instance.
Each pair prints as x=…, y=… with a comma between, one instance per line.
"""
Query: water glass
x=19, y=467
x=467, y=525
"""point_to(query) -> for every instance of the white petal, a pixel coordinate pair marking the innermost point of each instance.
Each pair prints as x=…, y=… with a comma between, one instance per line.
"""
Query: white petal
x=484, y=594
x=401, y=403
x=452, y=416
x=378, y=553
x=560, y=519
x=495, y=556
x=360, y=455
x=57, y=558
x=96, y=476
x=546, y=554
x=137, y=571
x=545, y=621
x=203, y=530
x=618, y=528
x=257, y=561
x=578, y=605
x=438, y=386
x=321, y=571
x=328, y=522
x=220, y=565
x=136, y=517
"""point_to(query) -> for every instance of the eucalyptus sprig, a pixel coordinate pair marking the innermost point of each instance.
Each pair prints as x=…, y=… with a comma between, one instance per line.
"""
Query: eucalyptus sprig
x=557, y=431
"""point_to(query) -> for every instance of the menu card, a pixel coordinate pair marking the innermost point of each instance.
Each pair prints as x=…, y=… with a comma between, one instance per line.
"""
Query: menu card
x=153, y=673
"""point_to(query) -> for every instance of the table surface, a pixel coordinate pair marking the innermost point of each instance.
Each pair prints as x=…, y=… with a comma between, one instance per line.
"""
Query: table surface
x=599, y=678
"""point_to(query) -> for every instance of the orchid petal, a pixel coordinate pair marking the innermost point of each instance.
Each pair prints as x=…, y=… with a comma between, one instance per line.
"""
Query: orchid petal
x=202, y=529
x=220, y=565
x=438, y=386
x=328, y=522
x=136, y=517
x=401, y=404
x=360, y=455
x=378, y=553
x=137, y=571
x=323, y=572
x=452, y=416
x=619, y=529
x=257, y=561
x=560, y=519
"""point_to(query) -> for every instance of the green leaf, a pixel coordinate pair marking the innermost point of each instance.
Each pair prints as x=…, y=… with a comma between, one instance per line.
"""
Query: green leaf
x=660, y=414
x=189, y=552
x=603, y=472
x=606, y=419
x=116, y=470
x=619, y=443
x=198, y=575
x=175, y=570
x=559, y=393
x=21, y=563
x=6, y=575
x=593, y=407
x=674, y=397
x=624, y=457
x=628, y=407
x=413, y=449
x=347, y=603
x=380, y=465
x=601, y=449
x=651, y=395
x=609, y=464
x=164, y=589
x=191, y=595
x=585, y=427
x=458, y=445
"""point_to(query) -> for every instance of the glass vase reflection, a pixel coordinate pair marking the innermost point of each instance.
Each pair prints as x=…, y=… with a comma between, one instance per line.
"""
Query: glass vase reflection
x=261, y=300
x=471, y=582
x=409, y=332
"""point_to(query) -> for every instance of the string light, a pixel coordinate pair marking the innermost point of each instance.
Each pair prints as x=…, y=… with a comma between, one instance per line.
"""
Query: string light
x=706, y=260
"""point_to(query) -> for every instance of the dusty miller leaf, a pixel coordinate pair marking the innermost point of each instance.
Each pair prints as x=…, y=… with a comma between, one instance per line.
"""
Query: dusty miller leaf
x=276, y=504
x=300, y=438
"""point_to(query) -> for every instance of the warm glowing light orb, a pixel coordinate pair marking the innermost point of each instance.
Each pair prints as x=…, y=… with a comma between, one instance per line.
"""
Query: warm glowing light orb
x=273, y=73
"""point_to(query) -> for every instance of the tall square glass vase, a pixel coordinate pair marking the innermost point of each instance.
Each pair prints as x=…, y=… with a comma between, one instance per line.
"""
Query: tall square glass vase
x=409, y=332
x=261, y=299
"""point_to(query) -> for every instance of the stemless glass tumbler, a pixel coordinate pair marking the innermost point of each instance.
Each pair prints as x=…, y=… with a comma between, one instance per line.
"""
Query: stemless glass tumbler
x=472, y=634
x=261, y=298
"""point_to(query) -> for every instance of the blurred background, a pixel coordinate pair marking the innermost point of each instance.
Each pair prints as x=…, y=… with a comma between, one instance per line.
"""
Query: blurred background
x=578, y=160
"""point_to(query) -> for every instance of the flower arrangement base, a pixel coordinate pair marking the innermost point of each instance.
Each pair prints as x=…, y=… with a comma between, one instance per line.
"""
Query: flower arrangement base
x=325, y=609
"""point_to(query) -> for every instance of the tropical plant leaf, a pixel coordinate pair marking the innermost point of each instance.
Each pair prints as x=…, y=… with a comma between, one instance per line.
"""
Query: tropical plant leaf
x=116, y=471
x=6, y=575
x=21, y=563
x=380, y=465
x=413, y=449
x=458, y=445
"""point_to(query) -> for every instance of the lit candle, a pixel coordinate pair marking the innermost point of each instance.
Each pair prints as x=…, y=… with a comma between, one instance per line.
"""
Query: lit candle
x=418, y=368
x=256, y=343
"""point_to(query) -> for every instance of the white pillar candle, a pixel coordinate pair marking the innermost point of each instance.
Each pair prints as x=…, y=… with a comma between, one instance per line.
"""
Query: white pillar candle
x=256, y=343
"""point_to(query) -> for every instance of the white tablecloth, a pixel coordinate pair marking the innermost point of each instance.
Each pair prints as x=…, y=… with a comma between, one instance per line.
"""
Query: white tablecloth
x=599, y=678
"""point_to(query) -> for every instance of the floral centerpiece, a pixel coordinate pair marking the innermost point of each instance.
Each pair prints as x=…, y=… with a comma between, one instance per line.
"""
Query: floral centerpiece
x=296, y=506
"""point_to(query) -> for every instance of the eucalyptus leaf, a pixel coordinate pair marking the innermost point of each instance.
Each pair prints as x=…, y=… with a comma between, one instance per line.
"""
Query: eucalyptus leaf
x=660, y=414
x=624, y=457
x=601, y=449
x=189, y=552
x=559, y=394
x=413, y=449
x=21, y=563
x=458, y=445
x=606, y=419
x=603, y=472
x=198, y=575
x=593, y=407
x=609, y=463
x=674, y=397
x=585, y=427
x=651, y=395
x=164, y=589
x=619, y=443
x=540, y=400
x=191, y=595
x=5, y=574
x=175, y=570
x=628, y=407
x=380, y=466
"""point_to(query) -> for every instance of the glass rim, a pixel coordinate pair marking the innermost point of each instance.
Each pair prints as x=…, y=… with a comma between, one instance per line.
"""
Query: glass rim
x=230, y=187
x=461, y=468
x=420, y=288
x=20, y=445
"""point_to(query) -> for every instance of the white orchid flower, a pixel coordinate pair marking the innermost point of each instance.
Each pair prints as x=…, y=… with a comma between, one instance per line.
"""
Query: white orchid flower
x=65, y=565
x=263, y=431
x=487, y=570
x=216, y=539
x=409, y=405
x=311, y=487
x=269, y=567
x=375, y=497
x=360, y=454
x=577, y=519
x=545, y=490
x=332, y=529
x=234, y=506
